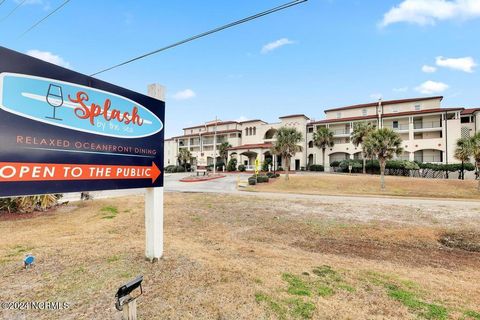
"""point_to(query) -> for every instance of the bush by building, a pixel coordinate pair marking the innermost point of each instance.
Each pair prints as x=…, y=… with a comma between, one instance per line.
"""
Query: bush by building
x=232, y=165
x=316, y=167
x=242, y=168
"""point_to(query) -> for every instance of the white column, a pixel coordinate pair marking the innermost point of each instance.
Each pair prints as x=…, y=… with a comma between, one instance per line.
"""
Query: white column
x=154, y=204
x=410, y=129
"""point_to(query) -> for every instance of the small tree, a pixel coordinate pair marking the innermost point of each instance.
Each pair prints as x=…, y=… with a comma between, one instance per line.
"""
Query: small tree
x=360, y=131
x=475, y=145
x=183, y=157
x=286, y=145
x=224, y=151
x=232, y=165
x=383, y=143
x=463, y=151
x=323, y=138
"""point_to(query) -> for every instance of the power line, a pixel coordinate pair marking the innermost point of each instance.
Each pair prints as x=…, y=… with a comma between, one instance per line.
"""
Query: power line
x=1, y=2
x=201, y=35
x=14, y=9
x=44, y=18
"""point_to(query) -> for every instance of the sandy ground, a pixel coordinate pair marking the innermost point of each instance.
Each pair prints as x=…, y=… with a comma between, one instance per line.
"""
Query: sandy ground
x=248, y=257
x=369, y=185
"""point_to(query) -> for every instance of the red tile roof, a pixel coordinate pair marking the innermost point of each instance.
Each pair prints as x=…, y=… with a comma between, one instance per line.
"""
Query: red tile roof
x=205, y=133
x=294, y=116
x=255, y=120
x=470, y=111
x=219, y=123
x=344, y=119
x=252, y=146
x=386, y=102
x=407, y=113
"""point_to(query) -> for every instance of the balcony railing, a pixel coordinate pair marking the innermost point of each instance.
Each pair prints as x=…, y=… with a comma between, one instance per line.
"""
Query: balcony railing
x=341, y=131
x=427, y=125
x=398, y=127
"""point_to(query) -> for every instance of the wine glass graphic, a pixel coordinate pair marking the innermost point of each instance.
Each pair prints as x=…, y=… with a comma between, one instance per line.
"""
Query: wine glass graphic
x=55, y=99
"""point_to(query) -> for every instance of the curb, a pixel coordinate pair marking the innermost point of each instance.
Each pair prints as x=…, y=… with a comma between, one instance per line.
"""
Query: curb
x=201, y=180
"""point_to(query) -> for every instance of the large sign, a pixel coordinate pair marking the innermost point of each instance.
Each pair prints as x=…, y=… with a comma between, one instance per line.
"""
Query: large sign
x=61, y=131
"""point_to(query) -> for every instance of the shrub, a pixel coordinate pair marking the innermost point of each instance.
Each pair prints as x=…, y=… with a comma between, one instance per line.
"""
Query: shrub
x=30, y=203
x=232, y=165
x=266, y=164
x=335, y=164
x=242, y=168
x=316, y=167
x=180, y=169
x=170, y=169
x=272, y=175
x=446, y=167
x=280, y=169
x=252, y=181
x=262, y=179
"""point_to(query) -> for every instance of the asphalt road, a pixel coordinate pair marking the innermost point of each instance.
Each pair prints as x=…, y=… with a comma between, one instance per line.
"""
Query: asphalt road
x=228, y=185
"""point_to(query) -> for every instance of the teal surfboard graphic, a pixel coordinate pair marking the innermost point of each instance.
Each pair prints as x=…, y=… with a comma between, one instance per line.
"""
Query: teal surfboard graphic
x=76, y=107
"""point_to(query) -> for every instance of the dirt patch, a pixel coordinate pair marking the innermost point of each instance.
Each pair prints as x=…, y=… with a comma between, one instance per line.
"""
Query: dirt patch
x=244, y=257
x=464, y=240
x=357, y=184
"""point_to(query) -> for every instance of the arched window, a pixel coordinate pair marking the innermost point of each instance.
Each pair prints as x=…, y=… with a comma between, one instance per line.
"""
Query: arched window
x=310, y=144
x=254, y=130
x=246, y=131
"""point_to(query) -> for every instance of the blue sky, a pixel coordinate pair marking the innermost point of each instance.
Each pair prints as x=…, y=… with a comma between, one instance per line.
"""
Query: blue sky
x=318, y=55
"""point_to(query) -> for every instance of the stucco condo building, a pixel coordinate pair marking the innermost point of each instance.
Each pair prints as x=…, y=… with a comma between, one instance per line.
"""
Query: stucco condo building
x=428, y=130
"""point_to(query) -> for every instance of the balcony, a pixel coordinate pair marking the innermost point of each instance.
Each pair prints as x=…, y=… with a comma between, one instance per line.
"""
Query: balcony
x=427, y=126
x=341, y=132
x=397, y=128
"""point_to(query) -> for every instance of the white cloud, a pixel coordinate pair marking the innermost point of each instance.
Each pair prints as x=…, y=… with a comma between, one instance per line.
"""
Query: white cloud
x=184, y=94
x=432, y=87
x=428, y=69
x=242, y=118
x=49, y=57
x=428, y=12
x=275, y=45
x=402, y=89
x=466, y=64
x=376, y=96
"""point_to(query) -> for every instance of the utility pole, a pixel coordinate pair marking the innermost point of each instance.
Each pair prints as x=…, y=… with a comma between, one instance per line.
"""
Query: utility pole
x=215, y=147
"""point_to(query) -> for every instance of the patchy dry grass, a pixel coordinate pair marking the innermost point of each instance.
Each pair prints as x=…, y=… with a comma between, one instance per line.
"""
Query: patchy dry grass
x=246, y=257
x=341, y=184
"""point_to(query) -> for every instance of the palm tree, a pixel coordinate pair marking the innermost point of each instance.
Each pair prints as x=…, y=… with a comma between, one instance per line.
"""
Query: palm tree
x=360, y=131
x=475, y=145
x=286, y=145
x=184, y=156
x=323, y=138
x=383, y=143
x=463, y=151
x=223, y=149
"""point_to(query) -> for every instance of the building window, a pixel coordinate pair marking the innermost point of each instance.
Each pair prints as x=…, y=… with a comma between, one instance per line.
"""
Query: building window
x=254, y=131
x=364, y=112
x=310, y=144
x=417, y=107
x=339, y=115
x=310, y=129
x=395, y=125
x=465, y=120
